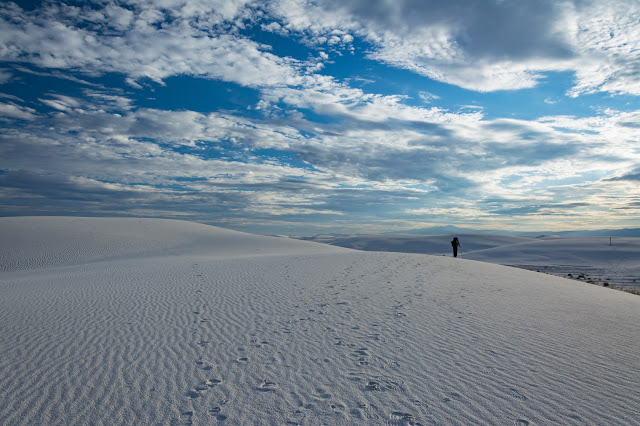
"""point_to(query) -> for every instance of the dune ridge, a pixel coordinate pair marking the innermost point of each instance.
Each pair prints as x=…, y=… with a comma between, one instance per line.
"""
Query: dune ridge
x=600, y=260
x=36, y=242
x=177, y=329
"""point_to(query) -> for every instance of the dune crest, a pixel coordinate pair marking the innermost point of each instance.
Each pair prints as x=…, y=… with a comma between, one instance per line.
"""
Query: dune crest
x=36, y=242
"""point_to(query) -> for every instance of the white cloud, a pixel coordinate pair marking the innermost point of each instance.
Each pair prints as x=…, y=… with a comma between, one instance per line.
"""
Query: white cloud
x=428, y=97
x=492, y=45
x=144, y=50
x=12, y=97
x=379, y=149
x=5, y=76
x=118, y=17
x=61, y=102
x=501, y=45
x=11, y=110
x=605, y=36
x=370, y=149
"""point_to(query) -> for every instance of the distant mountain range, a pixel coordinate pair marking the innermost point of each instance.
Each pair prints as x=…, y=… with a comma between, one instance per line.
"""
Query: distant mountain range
x=439, y=230
x=455, y=230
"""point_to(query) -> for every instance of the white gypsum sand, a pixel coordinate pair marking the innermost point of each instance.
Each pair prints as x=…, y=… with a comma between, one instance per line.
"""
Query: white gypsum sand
x=598, y=260
x=134, y=321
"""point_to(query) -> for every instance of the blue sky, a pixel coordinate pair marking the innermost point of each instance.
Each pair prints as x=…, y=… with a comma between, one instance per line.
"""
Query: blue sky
x=320, y=117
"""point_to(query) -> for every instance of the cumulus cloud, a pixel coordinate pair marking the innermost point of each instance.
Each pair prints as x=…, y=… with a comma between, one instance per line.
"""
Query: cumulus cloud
x=488, y=46
x=106, y=40
x=493, y=45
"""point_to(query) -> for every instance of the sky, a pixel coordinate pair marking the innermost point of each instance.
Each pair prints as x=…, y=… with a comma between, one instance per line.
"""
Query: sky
x=299, y=117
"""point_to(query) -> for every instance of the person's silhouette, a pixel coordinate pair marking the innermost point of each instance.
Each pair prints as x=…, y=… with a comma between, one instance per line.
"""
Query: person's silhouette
x=455, y=244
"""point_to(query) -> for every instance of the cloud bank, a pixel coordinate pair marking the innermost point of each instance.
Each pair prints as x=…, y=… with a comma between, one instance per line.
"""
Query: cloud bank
x=296, y=131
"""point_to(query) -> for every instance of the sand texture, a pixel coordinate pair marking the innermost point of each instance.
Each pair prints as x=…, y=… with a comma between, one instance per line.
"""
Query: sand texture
x=599, y=260
x=141, y=321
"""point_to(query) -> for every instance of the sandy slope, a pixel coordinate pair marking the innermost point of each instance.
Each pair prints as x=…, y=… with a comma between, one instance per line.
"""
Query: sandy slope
x=592, y=257
x=424, y=244
x=36, y=242
x=580, y=250
x=277, y=331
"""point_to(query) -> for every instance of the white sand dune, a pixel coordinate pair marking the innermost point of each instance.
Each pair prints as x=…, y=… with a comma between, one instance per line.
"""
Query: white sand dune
x=35, y=242
x=424, y=244
x=128, y=321
x=595, y=258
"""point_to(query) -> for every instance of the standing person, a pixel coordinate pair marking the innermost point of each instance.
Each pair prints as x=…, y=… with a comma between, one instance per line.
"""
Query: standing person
x=455, y=244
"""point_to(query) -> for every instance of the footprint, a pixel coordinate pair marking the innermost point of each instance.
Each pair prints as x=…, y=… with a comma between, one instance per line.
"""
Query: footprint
x=267, y=386
x=258, y=343
x=322, y=394
x=215, y=411
x=361, y=354
x=373, y=386
x=338, y=407
x=212, y=382
x=185, y=417
x=517, y=394
x=354, y=377
x=452, y=396
x=385, y=385
x=242, y=360
x=193, y=394
x=399, y=415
